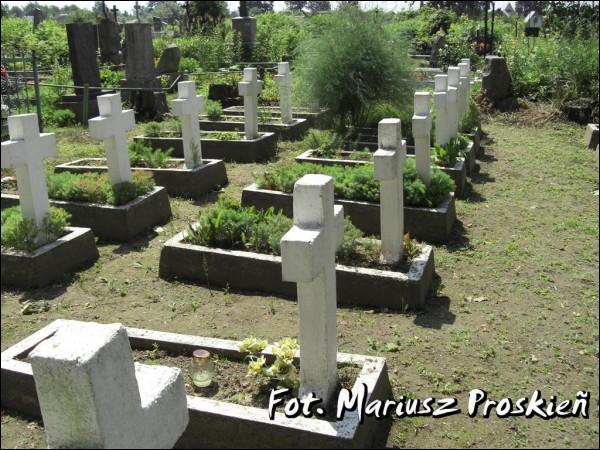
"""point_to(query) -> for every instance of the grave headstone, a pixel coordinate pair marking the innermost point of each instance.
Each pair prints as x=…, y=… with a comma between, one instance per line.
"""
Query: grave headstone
x=249, y=88
x=421, y=129
x=452, y=100
x=109, y=37
x=308, y=259
x=92, y=395
x=168, y=62
x=140, y=73
x=25, y=152
x=440, y=97
x=496, y=83
x=389, y=170
x=111, y=127
x=82, y=41
x=284, y=84
x=188, y=106
x=591, y=136
x=245, y=26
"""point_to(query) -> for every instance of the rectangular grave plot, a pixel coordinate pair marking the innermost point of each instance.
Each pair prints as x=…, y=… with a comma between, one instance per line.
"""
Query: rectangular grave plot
x=114, y=223
x=217, y=424
x=249, y=271
x=179, y=182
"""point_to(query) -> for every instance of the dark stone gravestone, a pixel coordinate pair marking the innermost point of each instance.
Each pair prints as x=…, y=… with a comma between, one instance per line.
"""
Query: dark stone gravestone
x=82, y=40
x=140, y=73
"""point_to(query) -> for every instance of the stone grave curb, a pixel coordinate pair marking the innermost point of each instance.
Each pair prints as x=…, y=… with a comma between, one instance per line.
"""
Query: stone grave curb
x=249, y=271
x=321, y=119
x=44, y=265
x=217, y=424
x=426, y=224
x=180, y=182
x=458, y=173
x=289, y=132
x=242, y=151
x=114, y=223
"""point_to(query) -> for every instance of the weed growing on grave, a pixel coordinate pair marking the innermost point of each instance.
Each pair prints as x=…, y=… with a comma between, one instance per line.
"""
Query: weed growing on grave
x=213, y=110
x=358, y=183
x=96, y=188
x=447, y=155
x=152, y=129
x=223, y=136
x=142, y=156
x=19, y=233
x=231, y=226
x=281, y=371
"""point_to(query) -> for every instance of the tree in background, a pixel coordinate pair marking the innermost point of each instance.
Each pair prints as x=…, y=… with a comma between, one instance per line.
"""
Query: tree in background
x=318, y=6
x=474, y=9
x=524, y=8
x=295, y=6
x=171, y=12
x=350, y=63
x=256, y=7
x=205, y=15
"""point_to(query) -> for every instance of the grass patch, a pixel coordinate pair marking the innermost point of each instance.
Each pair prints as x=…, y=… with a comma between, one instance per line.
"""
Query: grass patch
x=231, y=226
x=96, y=188
x=358, y=183
x=20, y=234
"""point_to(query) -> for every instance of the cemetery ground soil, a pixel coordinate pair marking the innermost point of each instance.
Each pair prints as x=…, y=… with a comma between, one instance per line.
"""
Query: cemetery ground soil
x=518, y=309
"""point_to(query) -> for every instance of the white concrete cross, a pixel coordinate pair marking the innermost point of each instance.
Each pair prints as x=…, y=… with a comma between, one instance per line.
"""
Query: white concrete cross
x=452, y=100
x=421, y=129
x=441, y=111
x=25, y=152
x=465, y=87
x=308, y=259
x=249, y=88
x=188, y=107
x=389, y=170
x=111, y=127
x=92, y=395
x=284, y=83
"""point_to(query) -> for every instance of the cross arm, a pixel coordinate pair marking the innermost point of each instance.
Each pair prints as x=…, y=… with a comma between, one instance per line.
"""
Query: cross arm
x=302, y=254
x=13, y=154
x=385, y=164
x=421, y=125
x=338, y=224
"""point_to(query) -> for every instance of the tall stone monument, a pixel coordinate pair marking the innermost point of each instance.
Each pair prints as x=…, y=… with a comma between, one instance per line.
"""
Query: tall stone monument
x=245, y=26
x=140, y=73
x=81, y=38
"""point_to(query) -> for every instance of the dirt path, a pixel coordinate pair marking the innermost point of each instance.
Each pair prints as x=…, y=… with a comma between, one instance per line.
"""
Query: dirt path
x=518, y=310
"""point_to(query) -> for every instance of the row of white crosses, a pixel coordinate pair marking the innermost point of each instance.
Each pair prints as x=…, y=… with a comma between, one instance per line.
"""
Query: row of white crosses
x=250, y=88
x=27, y=147
x=308, y=255
x=451, y=98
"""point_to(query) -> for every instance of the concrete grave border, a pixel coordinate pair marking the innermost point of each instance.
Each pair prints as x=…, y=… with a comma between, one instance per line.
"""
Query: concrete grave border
x=321, y=119
x=114, y=223
x=426, y=224
x=458, y=173
x=242, y=151
x=287, y=131
x=179, y=182
x=51, y=261
x=249, y=271
x=217, y=424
